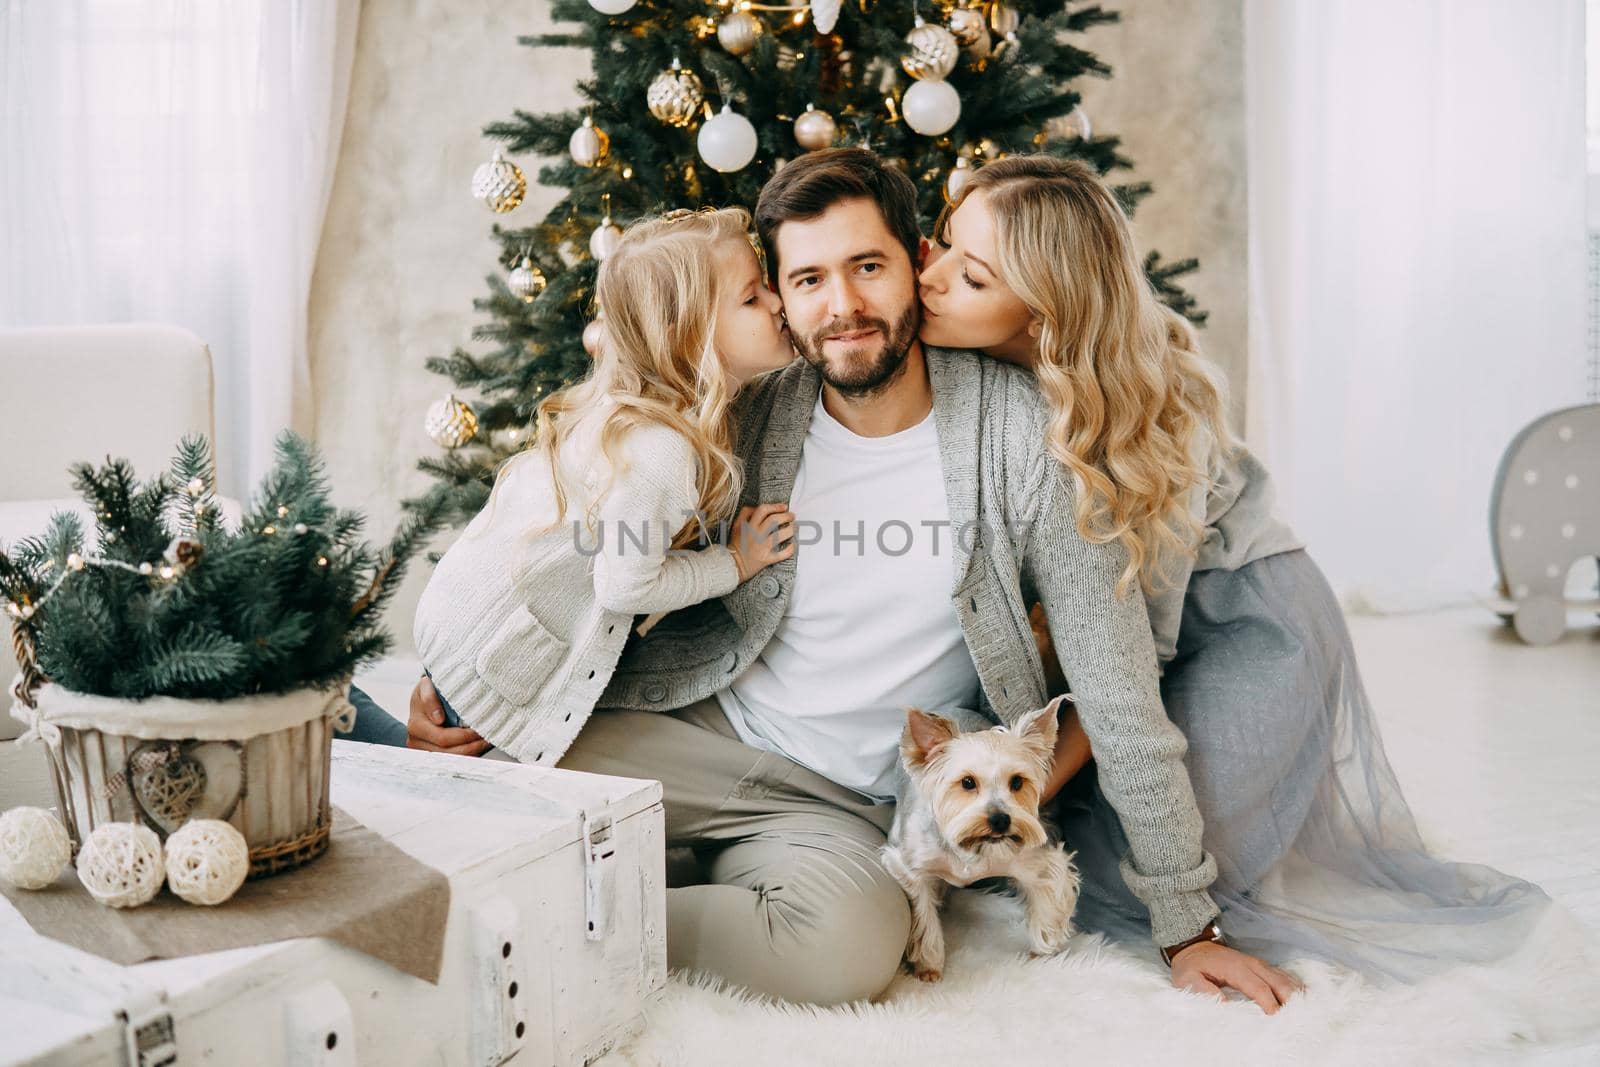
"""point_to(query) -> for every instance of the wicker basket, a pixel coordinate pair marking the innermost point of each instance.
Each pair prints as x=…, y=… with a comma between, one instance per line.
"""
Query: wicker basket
x=260, y=763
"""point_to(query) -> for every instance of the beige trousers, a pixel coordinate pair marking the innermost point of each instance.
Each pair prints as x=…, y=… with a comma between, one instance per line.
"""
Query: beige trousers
x=797, y=904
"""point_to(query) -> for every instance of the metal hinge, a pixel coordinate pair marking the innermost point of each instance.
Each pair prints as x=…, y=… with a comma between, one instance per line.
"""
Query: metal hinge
x=148, y=1036
x=598, y=855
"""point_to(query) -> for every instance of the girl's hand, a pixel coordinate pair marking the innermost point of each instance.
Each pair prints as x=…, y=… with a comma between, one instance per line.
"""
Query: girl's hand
x=758, y=533
x=1208, y=967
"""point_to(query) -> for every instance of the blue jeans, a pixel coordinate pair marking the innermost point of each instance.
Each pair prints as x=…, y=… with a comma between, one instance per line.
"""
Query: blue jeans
x=374, y=726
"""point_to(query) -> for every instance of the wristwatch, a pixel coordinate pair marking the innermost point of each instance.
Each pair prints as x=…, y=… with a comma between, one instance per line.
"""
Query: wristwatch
x=1212, y=932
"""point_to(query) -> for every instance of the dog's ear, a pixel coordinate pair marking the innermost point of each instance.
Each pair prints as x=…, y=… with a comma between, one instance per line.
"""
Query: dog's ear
x=1039, y=727
x=924, y=733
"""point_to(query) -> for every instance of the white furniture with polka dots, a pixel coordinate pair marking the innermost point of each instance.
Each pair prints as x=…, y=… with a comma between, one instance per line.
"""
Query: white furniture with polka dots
x=1545, y=516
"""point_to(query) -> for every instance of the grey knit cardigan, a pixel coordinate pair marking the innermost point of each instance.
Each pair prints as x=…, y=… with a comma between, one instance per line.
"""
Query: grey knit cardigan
x=1015, y=502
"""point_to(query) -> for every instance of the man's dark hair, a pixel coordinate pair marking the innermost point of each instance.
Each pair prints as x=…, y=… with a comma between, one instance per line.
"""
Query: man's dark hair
x=811, y=184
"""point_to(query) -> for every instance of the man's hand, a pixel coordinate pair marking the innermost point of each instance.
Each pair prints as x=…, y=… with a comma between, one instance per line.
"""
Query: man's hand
x=425, y=728
x=1208, y=967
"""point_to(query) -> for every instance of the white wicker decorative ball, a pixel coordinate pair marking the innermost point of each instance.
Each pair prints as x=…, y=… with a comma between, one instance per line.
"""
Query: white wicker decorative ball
x=931, y=107
x=207, y=861
x=675, y=96
x=120, y=864
x=727, y=141
x=934, y=51
x=34, y=848
x=499, y=184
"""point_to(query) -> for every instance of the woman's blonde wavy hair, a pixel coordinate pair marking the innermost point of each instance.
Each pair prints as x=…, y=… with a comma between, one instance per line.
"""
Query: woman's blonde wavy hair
x=656, y=362
x=1128, y=389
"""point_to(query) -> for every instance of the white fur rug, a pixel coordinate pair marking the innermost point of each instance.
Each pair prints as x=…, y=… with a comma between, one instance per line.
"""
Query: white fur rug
x=1098, y=1004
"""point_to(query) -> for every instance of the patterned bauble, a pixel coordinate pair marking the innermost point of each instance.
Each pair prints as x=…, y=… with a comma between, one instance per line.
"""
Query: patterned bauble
x=675, y=96
x=738, y=32
x=934, y=51
x=815, y=129
x=589, y=144
x=592, y=335
x=527, y=281
x=727, y=141
x=931, y=106
x=207, y=861
x=451, y=422
x=500, y=184
x=603, y=241
x=34, y=848
x=120, y=864
x=825, y=14
x=960, y=174
x=968, y=26
x=1003, y=18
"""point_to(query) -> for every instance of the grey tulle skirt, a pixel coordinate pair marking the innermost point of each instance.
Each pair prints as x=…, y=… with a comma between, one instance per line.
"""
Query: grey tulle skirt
x=1317, y=851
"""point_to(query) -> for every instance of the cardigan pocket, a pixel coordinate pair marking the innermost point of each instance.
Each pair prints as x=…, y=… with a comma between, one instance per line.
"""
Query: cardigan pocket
x=520, y=657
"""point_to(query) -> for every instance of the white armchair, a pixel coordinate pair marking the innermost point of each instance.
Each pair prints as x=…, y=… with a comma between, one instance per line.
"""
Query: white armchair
x=82, y=393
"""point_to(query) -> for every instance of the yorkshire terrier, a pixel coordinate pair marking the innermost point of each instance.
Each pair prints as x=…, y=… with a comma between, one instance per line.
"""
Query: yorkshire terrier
x=968, y=809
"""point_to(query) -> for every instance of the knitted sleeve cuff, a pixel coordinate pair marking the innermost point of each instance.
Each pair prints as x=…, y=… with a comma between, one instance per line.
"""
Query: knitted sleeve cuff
x=1179, y=904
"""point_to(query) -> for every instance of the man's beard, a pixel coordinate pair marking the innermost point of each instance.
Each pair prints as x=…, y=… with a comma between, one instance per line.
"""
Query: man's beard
x=859, y=377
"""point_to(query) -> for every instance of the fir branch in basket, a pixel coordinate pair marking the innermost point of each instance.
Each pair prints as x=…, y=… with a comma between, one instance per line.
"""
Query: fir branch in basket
x=171, y=602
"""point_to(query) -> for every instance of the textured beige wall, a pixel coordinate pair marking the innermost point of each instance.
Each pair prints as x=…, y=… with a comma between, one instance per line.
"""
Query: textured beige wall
x=1176, y=98
x=405, y=247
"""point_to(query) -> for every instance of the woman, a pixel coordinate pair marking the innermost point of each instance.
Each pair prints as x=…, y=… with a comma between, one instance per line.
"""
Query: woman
x=1317, y=851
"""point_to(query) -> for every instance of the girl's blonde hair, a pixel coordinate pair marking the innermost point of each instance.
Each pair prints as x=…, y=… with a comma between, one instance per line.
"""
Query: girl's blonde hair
x=656, y=363
x=1129, y=391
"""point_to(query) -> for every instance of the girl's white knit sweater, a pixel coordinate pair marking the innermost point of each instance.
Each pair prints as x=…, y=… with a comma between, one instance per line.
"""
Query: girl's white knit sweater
x=521, y=626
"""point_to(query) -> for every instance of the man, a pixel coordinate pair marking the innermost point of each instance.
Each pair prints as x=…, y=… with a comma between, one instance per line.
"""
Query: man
x=926, y=502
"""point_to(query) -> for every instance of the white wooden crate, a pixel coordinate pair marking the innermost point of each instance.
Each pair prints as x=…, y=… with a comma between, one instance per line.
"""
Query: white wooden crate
x=524, y=892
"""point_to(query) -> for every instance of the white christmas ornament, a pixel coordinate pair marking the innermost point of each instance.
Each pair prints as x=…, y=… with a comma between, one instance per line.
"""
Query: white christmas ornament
x=120, y=864
x=825, y=14
x=34, y=848
x=727, y=141
x=207, y=861
x=611, y=7
x=605, y=238
x=931, y=107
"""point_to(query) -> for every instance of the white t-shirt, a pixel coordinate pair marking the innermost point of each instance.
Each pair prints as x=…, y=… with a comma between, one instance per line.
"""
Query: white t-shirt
x=870, y=626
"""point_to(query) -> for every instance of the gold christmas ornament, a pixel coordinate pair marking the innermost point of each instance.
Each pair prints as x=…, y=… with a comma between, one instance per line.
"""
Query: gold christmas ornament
x=591, y=337
x=603, y=241
x=1003, y=18
x=451, y=422
x=934, y=51
x=589, y=144
x=527, y=281
x=968, y=26
x=989, y=149
x=815, y=129
x=500, y=184
x=738, y=32
x=675, y=96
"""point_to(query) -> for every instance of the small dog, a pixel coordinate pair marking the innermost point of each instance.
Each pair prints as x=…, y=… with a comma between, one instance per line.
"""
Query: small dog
x=969, y=809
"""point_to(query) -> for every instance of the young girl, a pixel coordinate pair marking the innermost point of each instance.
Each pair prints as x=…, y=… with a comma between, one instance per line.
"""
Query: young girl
x=525, y=617
x=1316, y=849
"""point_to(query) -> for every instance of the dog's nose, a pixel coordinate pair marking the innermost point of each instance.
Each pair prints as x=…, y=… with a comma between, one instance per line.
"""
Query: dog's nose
x=999, y=822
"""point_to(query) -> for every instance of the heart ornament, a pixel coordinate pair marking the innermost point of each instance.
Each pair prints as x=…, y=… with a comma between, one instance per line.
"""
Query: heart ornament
x=173, y=781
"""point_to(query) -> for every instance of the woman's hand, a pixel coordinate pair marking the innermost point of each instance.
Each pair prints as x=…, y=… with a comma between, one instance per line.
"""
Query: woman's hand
x=1072, y=751
x=425, y=728
x=758, y=533
x=1208, y=967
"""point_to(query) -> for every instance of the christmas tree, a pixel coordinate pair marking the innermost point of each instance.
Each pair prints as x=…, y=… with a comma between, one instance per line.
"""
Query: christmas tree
x=696, y=102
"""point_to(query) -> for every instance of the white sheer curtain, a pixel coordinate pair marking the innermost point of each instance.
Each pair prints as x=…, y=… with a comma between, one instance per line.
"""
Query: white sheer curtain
x=171, y=160
x=1417, y=271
